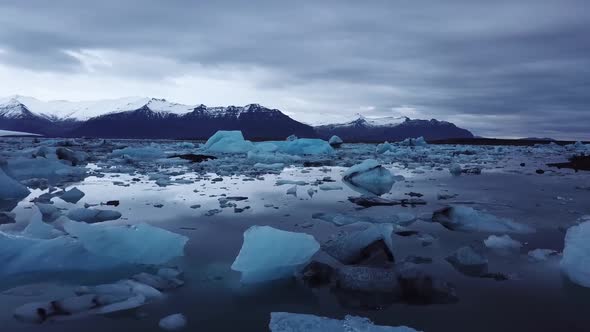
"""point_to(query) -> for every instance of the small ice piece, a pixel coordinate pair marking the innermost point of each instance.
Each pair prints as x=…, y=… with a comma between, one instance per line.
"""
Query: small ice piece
x=335, y=141
x=275, y=166
x=228, y=141
x=292, y=191
x=330, y=186
x=289, y=322
x=292, y=138
x=140, y=153
x=137, y=244
x=93, y=215
x=455, y=169
x=539, y=255
x=72, y=196
x=310, y=192
x=10, y=189
x=74, y=157
x=173, y=322
x=469, y=261
x=575, y=262
x=369, y=177
x=503, y=243
x=295, y=182
x=467, y=219
x=269, y=254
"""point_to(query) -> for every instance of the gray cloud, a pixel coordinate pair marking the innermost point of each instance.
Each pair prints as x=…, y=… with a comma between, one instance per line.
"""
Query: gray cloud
x=525, y=64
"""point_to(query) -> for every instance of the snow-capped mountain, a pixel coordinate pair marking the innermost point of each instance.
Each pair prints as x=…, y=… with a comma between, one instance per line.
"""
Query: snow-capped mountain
x=144, y=118
x=374, y=129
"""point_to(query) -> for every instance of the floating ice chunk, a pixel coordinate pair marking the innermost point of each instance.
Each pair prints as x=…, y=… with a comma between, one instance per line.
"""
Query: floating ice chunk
x=330, y=186
x=288, y=322
x=335, y=141
x=304, y=146
x=173, y=322
x=361, y=246
x=502, y=243
x=72, y=196
x=369, y=177
x=49, y=211
x=276, y=166
x=385, y=147
x=575, y=262
x=467, y=219
x=292, y=191
x=137, y=244
x=93, y=215
x=74, y=157
x=539, y=255
x=228, y=141
x=271, y=157
x=469, y=261
x=140, y=153
x=38, y=229
x=282, y=182
x=455, y=169
x=310, y=192
x=420, y=141
x=292, y=138
x=27, y=168
x=268, y=253
x=11, y=189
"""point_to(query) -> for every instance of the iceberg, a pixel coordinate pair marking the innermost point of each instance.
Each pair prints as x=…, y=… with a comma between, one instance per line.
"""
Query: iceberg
x=369, y=177
x=289, y=322
x=228, y=141
x=335, y=141
x=575, y=262
x=304, y=146
x=467, y=219
x=93, y=215
x=269, y=254
x=385, y=147
x=11, y=189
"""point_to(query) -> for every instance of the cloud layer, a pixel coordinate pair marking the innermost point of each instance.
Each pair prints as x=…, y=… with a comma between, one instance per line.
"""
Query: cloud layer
x=500, y=68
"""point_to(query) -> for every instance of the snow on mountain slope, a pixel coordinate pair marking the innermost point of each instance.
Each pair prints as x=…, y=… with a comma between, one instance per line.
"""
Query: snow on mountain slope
x=84, y=110
x=360, y=120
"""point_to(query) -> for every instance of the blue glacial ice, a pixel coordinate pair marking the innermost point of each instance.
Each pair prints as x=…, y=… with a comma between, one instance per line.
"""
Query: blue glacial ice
x=10, y=188
x=269, y=253
x=228, y=141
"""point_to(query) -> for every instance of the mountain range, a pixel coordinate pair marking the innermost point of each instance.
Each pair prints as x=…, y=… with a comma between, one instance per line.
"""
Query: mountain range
x=158, y=118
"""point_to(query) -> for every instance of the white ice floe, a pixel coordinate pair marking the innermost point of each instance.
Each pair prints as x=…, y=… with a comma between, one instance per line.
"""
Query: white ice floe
x=575, y=262
x=268, y=253
x=335, y=141
x=369, y=177
x=290, y=322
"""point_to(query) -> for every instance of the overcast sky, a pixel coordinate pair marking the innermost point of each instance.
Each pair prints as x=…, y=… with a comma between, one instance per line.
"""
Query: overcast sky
x=504, y=68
